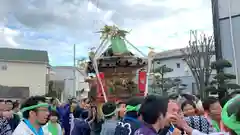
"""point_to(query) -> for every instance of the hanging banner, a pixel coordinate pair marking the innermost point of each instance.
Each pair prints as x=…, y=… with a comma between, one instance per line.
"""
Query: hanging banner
x=142, y=76
x=99, y=88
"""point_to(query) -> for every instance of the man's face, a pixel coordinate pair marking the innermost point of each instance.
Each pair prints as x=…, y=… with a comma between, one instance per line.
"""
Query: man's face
x=86, y=104
x=173, y=108
x=172, y=111
x=9, y=106
x=3, y=106
x=54, y=102
x=41, y=115
x=215, y=111
x=122, y=110
x=162, y=121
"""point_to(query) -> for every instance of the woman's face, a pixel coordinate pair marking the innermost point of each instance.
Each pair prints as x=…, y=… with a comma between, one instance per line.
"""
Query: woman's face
x=189, y=110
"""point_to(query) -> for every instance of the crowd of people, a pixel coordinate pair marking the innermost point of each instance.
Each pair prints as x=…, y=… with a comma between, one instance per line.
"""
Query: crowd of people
x=150, y=115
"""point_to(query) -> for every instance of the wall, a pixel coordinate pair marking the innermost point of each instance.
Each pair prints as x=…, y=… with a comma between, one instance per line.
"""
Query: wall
x=182, y=72
x=226, y=39
x=67, y=74
x=223, y=8
x=172, y=63
x=26, y=75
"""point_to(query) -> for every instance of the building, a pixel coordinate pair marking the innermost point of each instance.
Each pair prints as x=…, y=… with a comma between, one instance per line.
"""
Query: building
x=174, y=60
x=226, y=20
x=23, y=73
x=71, y=87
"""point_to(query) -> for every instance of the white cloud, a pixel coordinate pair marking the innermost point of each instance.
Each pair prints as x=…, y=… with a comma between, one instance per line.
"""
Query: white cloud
x=55, y=25
x=7, y=37
x=183, y=4
x=173, y=31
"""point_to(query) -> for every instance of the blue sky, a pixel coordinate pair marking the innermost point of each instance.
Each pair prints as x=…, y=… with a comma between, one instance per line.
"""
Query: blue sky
x=58, y=24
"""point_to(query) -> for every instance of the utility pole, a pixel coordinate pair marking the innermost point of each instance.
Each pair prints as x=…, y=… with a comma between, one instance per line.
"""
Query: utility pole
x=74, y=70
x=232, y=40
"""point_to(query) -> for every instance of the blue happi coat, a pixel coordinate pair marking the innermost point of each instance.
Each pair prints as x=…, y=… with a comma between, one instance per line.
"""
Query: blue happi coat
x=66, y=117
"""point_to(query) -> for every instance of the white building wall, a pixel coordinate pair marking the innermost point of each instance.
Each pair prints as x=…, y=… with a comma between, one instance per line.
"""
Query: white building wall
x=172, y=63
x=67, y=74
x=183, y=71
x=223, y=8
x=228, y=39
x=25, y=75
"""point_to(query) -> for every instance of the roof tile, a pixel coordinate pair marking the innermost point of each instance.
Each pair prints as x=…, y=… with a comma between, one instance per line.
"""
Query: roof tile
x=12, y=54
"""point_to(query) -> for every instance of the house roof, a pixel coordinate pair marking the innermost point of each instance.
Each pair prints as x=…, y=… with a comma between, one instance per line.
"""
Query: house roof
x=169, y=54
x=23, y=55
x=70, y=67
x=176, y=53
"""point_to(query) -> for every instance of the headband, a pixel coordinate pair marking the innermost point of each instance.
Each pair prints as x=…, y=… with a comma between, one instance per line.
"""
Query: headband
x=110, y=114
x=130, y=108
x=230, y=121
x=34, y=107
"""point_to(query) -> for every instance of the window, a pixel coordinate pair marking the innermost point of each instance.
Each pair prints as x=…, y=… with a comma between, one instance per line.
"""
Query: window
x=178, y=65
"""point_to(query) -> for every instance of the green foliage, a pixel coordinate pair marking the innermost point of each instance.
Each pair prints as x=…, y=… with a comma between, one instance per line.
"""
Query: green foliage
x=211, y=89
x=161, y=84
x=222, y=82
x=112, y=31
x=91, y=54
x=82, y=63
x=162, y=70
x=221, y=76
x=233, y=86
x=51, y=91
x=221, y=64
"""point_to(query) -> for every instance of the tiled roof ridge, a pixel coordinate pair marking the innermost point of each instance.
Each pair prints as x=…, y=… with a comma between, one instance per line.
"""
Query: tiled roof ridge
x=25, y=49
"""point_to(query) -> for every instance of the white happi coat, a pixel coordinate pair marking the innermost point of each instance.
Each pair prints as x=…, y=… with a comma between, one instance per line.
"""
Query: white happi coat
x=23, y=129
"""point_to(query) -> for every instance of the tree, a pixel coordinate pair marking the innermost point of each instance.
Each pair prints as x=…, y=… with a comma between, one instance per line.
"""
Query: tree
x=88, y=65
x=51, y=91
x=198, y=56
x=82, y=63
x=160, y=82
x=164, y=84
x=222, y=82
x=178, y=85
